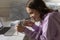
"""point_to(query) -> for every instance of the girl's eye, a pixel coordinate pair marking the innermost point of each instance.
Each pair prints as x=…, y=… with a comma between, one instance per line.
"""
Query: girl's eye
x=31, y=12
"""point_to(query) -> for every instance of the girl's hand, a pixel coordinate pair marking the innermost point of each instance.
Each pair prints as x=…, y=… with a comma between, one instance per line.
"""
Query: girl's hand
x=28, y=23
x=20, y=28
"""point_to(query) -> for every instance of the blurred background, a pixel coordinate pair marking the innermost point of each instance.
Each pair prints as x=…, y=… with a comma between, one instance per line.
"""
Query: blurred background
x=15, y=9
x=11, y=10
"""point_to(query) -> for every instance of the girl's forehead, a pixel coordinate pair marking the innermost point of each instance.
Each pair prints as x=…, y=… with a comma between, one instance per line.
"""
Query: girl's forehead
x=29, y=10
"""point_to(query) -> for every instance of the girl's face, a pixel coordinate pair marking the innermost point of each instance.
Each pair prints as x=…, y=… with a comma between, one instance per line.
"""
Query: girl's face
x=33, y=14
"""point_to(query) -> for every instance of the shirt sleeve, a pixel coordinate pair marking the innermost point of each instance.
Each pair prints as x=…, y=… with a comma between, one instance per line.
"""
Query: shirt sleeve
x=33, y=34
x=36, y=28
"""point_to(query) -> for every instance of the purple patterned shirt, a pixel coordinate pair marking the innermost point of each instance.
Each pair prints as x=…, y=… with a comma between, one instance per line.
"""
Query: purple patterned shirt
x=36, y=35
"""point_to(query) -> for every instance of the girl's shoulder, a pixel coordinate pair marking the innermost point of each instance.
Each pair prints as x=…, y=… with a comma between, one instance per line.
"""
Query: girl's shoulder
x=54, y=14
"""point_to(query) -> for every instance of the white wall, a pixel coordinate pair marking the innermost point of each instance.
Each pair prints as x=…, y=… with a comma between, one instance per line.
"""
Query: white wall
x=52, y=1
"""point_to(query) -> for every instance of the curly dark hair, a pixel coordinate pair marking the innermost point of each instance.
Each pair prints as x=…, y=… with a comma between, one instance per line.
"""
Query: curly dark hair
x=38, y=5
